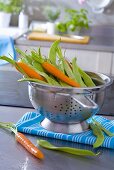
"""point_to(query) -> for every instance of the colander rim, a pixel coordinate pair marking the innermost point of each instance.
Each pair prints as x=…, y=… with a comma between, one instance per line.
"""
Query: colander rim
x=107, y=82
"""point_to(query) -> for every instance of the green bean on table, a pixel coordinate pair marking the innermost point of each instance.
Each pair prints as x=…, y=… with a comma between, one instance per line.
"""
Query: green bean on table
x=99, y=135
x=103, y=129
x=70, y=150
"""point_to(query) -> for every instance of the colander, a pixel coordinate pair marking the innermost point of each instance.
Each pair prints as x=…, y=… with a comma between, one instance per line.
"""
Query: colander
x=66, y=109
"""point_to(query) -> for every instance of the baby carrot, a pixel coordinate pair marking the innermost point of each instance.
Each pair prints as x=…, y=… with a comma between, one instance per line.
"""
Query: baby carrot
x=29, y=71
x=23, y=68
x=59, y=74
x=23, y=140
x=29, y=145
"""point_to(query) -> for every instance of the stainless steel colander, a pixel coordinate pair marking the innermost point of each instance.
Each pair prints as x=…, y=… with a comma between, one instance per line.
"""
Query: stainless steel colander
x=66, y=109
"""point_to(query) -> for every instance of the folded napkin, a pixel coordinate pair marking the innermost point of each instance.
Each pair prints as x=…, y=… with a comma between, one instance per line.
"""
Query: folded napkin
x=30, y=123
x=7, y=48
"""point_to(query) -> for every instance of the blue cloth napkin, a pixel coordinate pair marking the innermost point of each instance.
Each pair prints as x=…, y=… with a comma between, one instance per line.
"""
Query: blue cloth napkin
x=30, y=123
x=7, y=48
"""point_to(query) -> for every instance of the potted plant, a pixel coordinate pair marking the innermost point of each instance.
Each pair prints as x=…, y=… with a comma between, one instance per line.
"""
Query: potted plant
x=75, y=20
x=52, y=14
x=8, y=7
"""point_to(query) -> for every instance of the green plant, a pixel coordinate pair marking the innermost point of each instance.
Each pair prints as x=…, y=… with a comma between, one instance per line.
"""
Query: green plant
x=75, y=20
x=51, y=13
x=10, y=6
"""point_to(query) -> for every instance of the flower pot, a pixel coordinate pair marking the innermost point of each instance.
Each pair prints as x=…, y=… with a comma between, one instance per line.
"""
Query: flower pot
x=5, y=19
x=50, y=28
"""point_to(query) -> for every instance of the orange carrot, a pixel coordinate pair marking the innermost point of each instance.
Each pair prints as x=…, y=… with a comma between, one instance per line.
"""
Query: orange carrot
x=23, y=140
x=59, y=74
x=29, y=145
x=29, y=71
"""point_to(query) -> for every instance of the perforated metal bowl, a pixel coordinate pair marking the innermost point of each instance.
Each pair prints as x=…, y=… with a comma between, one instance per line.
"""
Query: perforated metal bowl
x=66, y=109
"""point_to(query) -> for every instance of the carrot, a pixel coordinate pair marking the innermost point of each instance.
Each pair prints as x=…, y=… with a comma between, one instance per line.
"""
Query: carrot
x=23, y=140
x=29, y=145
x=29, y=71
x=59, y=74
x=23, y=68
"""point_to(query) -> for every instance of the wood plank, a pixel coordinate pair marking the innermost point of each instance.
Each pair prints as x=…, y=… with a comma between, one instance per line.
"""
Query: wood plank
x=48, y=37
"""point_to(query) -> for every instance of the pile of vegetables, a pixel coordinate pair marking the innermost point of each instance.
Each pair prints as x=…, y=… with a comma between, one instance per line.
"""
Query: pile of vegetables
x=53, y=70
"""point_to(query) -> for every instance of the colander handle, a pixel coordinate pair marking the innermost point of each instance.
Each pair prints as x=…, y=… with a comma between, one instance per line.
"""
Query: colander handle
x=85, y=101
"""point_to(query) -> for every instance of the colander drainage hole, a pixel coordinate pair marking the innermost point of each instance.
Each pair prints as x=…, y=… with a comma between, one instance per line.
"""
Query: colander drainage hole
x=55, y=106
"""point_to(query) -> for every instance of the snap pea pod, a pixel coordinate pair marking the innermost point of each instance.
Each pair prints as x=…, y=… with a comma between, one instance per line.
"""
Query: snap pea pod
x=87, y=79
x=67, y=68
x=13, y=62
x=49, y=79
x=32, y=80
x=63, y=84
x=54, y=81
x=74, y=151
x=60, y=66
x=20, y=52
x=27, y=60
x=35, y=56
x=38, y=66
x=52, y=52
x=76, y=73
x=102, y=128
x=99, y=135
x=39, y=51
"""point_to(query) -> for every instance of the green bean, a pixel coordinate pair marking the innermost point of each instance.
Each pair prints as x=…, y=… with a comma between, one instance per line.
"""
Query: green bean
x=67, y=68
x=38, y=66
x=9, y=60
x=99, y=135
x=102, y=128
x=52, y=52
x=35, y=56
x=60, y=66
x=54, y=81
x=76, y=73
x=74, y=151
x=39, y=52
x=63, y=84
x=87, y=79
x=27, y=60
x=32, y=80
x=20, y=52
x=13, y=62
